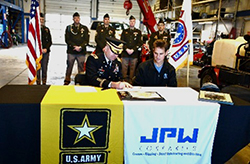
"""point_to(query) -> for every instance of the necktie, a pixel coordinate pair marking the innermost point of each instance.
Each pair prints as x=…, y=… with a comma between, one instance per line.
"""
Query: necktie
x=109, y=64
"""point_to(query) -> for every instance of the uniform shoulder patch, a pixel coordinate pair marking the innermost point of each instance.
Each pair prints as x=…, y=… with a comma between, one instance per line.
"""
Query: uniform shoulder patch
x=94, y=55
x=119, y=59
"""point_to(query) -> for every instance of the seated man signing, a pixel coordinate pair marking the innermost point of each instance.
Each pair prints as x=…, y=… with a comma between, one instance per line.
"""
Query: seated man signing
x=104, y=69
x=157, y=71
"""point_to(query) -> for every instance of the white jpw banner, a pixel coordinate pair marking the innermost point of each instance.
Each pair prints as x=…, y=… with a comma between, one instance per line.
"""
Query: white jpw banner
x=180, y=130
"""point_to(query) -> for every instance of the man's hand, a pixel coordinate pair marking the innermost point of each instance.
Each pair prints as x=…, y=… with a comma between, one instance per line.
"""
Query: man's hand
x=104, y=49
x=120, y=85
x=77, y=48
x=129, y=51
x=44, y=50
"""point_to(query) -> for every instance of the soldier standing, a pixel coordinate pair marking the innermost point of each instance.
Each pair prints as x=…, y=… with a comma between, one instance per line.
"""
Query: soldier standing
x=133, y=38
x=102, y=32
x=76, y=37
x=46, y=44
x=160, y=34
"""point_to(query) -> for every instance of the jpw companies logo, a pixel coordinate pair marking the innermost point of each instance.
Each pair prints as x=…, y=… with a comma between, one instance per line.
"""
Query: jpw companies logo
x=169, y=141
x=171, y=133
x=84, y=134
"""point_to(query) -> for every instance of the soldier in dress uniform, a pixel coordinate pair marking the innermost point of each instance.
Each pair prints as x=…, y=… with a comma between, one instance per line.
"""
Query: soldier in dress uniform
x=46, y=44
x=160, y=34
x=102, y=32
x=133, y=38
x=76, y=37
x=104, y=69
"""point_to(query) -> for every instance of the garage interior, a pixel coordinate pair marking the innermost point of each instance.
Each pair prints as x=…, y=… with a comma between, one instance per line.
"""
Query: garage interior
x=234, y=21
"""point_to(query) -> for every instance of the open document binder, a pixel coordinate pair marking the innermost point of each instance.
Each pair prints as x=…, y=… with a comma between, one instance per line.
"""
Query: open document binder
x=140, y=95
x=222, y=98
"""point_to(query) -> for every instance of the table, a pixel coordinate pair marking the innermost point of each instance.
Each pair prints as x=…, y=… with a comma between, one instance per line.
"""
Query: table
x=56, y=124
x=20, y=120
x=20, y=123
x=178, y=130
x=233, y=130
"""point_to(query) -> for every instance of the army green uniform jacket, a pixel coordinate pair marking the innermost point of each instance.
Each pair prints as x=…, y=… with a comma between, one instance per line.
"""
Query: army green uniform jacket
x=99, y=73
x=101, y=33
x=156, y=35
x=46, y=38
x=76, y=36
x=133, y=39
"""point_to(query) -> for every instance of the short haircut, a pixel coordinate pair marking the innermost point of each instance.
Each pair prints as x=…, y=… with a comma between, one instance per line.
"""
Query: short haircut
x=131, y=17
x=161, y=44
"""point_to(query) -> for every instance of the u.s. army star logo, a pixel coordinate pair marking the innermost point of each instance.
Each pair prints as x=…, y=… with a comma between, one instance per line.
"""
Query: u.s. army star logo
x=85, y=130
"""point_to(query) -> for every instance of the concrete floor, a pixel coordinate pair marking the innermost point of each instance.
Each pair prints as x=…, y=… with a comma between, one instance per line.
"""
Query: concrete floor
x=13, y=69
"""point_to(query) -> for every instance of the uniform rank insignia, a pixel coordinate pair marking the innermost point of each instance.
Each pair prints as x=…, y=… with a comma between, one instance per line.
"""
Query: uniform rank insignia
x=119, y=59
x=101, y=71
x=165, y=76
x=110, y=32
x=94, y=55
x=165, y=38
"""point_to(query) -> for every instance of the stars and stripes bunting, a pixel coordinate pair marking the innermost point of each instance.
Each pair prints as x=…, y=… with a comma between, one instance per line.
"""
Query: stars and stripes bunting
x=34, y=53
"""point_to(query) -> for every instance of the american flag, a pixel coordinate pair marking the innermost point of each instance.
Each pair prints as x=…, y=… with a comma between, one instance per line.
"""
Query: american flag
x=34, y=54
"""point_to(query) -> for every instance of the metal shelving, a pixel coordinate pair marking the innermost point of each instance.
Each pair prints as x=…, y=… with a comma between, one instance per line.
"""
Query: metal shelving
x=15, y=10
x=205, y=20
x=216, y=19
x=194, y=3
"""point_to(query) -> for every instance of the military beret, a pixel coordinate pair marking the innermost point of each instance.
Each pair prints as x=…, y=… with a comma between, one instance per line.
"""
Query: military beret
x=41, y=15
x=160, y=21
x=116, y=45
x=131, y=17
x=76, y=14
x=106, y=16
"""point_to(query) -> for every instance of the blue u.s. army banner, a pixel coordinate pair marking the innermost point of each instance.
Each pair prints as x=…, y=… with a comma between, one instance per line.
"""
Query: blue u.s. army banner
x=81, y=127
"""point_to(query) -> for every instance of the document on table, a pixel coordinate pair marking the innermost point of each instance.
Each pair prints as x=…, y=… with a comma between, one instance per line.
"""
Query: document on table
x=85, y=89
x=140, y=95
x=209, y=96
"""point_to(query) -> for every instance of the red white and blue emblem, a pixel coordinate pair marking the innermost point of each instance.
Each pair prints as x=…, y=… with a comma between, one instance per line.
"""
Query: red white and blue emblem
x=178, y=54
x=181, y=51
x=181, y=34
